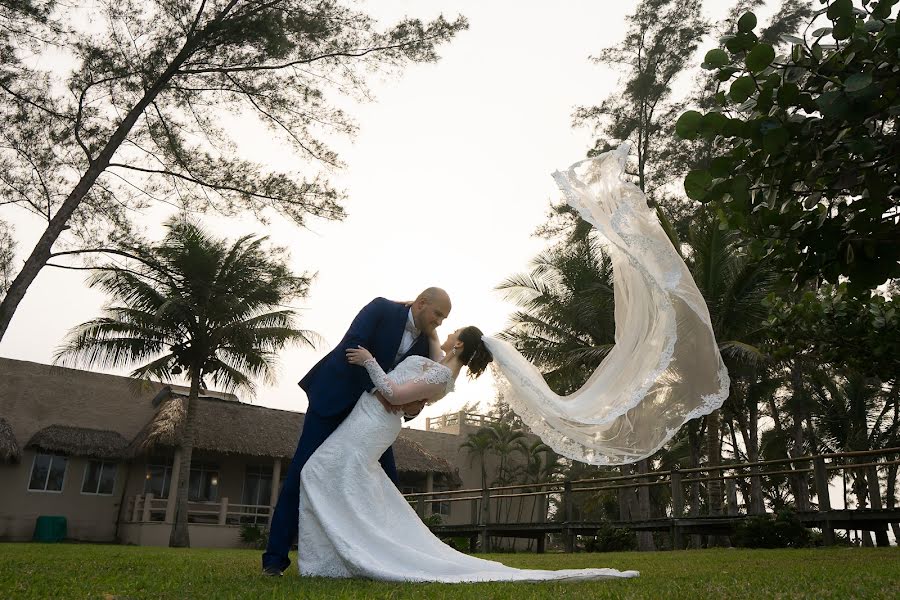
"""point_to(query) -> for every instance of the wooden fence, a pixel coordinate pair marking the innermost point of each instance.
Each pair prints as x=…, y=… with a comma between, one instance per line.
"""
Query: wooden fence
x=738, y=506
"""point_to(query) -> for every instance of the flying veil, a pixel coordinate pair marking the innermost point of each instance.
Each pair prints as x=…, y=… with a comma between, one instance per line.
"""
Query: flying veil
x=665, y=368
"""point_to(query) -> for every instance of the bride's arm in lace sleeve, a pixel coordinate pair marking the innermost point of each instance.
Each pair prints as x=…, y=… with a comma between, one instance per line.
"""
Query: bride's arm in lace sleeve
x=430, y=384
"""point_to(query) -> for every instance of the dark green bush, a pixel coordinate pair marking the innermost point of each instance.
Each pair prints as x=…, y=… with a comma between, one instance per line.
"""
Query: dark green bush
x=784, y=530
x=610, y=539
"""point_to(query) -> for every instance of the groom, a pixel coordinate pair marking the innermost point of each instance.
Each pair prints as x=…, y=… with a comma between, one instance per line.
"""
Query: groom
x=391, y=331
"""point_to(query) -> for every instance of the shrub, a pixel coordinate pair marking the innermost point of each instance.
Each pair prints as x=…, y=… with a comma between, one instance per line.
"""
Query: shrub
x=254, y=536
x=610, y=539
x=784, y=530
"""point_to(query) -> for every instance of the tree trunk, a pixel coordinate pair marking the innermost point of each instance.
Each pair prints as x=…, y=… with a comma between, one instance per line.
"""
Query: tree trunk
x=756, y=495
x=714, y=459
x=696, y=541
x=180, y=537
x=644, y=538
x=714, y=485
x=742, y=483
x=800, y=480
x=892, y=497
x=42, y=250
x=627, y=509
x=861, y=489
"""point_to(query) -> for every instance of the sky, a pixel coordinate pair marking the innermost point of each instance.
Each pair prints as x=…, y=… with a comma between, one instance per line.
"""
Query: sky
x=447, y=178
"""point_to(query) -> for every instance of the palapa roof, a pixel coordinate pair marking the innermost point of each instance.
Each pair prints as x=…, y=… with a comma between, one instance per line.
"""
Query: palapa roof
x=413, y=457
x=238, y=428
x=79, y=441
x=9, y=448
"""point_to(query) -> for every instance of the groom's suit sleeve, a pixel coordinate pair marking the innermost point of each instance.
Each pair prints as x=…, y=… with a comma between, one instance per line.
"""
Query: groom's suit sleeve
x=363, y=327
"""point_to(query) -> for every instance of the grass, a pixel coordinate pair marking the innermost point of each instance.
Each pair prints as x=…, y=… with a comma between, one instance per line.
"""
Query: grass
x=123, y=572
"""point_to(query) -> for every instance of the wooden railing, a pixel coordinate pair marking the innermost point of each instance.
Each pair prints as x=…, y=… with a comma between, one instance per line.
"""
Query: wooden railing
x=554, y=501
x=454, y=419
x=145, y=508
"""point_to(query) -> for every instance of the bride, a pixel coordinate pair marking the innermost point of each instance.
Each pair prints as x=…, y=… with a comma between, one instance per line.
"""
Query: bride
x=353, y=520
x=664, y=369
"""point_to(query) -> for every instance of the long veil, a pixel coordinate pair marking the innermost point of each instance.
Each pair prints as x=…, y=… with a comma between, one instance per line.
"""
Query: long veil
x=665, y=368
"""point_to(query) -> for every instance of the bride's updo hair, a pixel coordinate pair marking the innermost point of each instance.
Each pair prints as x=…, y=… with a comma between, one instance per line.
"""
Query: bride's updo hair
x=475, y=354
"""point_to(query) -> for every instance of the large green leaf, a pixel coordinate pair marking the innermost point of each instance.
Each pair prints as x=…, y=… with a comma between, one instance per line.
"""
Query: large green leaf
x=833, y=104
x=788, y=94
x=857, y=82
x=843, y=29
x=747, y=22
x=688, y=125
x=775, y=140
x=741, y=42
x=713, y=124
x=742, y=88
x=839, y=8
x=760, y=57
x=716, y=58
x=697, y=184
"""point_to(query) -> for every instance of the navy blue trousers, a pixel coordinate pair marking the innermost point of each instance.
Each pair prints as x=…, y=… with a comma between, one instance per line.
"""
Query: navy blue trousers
x=283, y=531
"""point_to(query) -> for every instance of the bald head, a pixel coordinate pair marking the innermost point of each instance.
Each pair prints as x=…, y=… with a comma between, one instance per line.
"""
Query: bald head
x=430, y=309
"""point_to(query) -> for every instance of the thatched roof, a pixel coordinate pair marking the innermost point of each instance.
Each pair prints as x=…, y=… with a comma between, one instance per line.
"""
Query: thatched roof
x=237, y=428
x=9, y=448
x=79, y=441
x=413, y=457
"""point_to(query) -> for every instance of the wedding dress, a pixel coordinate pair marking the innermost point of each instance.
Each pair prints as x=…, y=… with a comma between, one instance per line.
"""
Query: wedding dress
x=355, y=523
x=665, y=367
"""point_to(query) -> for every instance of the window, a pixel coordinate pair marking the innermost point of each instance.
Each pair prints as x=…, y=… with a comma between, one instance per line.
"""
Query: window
x=441, y=508
x=48, y=473
x=99, y=478
x=204, y=483
x=158, y=479
x=257, y=491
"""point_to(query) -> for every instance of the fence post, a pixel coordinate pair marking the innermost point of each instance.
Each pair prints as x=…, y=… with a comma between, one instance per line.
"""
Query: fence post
x=821, y=479
x=485, y=519
x=757, y=504
x=135, y=508
x=881, y=537
x=731, y=490
x=148, y=501
x=677, y=509
x=420, y=507
x=223, y=511
x=568, y=508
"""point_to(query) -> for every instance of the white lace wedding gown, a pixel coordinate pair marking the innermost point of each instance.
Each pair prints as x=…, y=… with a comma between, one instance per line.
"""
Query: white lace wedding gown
x=355, y=523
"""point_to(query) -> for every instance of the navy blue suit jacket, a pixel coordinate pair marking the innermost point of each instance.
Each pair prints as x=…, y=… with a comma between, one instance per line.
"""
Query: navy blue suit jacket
x=333, y=385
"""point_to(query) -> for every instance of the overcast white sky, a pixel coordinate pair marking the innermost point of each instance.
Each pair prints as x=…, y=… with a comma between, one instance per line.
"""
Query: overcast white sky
x=448, y=178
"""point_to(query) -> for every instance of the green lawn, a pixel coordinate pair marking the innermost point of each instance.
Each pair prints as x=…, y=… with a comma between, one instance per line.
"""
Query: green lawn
x=120, y=572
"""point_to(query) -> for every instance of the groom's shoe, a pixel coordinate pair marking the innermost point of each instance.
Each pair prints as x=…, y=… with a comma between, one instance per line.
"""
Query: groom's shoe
x=272, y=572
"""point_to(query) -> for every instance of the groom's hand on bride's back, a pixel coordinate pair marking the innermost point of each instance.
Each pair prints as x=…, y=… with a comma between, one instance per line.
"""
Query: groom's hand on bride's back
x=410, y=409
x=394, y=408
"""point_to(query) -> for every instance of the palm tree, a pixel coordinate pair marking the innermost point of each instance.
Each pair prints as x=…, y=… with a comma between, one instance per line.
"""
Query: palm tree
x=504, y=443
x=541, y=465
x=855, y=412
x=198, y=305
x=566, y=324
x=478, y=446
x=734, y=286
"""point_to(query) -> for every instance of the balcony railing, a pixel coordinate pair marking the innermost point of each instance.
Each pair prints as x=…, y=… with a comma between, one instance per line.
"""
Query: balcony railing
x=454, y=419
x=145, y=508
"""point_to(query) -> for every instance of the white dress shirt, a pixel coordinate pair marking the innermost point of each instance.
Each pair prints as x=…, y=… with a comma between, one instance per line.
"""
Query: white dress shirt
x=410, y=333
